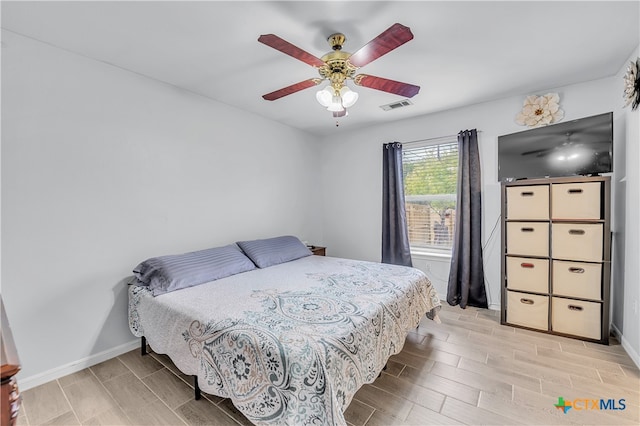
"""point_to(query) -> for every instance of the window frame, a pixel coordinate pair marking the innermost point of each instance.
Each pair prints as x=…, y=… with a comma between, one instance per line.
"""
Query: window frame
x=430, y=251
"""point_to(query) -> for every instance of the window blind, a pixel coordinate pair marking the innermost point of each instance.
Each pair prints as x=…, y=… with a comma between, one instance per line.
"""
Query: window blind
x=430, y=174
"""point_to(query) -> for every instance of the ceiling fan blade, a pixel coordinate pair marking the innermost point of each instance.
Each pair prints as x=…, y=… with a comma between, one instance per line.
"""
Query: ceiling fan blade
x=292, y=89
x=386, y=85
x=539, y=152
x=291, y=50
x=395, y=36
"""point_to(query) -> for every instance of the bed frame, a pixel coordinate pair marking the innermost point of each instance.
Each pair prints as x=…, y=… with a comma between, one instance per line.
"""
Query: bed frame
x=196, y=387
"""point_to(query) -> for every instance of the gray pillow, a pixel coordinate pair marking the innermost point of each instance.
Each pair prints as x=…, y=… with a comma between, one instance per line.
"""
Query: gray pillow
x=169, y=273
x=273, y=251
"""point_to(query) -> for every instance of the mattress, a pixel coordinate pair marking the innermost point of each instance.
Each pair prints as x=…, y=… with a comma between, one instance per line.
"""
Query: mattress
x=288, y=344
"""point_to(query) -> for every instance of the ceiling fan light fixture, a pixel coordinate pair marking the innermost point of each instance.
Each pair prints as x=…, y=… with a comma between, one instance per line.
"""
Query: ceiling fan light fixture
x=336, y=104
x=349, y=97
x=325, y=96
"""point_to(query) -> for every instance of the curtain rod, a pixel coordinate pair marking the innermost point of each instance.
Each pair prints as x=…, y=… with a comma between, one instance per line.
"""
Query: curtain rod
x=433, y=139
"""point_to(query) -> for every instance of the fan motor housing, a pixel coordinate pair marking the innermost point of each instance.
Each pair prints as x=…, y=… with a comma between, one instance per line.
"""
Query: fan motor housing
x=336, y=62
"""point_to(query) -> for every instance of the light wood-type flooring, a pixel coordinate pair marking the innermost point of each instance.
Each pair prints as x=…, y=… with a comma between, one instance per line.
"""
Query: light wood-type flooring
x=467, y=370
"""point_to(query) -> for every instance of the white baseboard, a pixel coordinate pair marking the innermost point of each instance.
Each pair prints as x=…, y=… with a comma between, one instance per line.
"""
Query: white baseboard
x=635, y=357
x=26, y=383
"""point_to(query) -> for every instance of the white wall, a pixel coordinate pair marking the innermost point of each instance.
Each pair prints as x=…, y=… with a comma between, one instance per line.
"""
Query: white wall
x=103, y=168
x=626, y=247
x=352, y=176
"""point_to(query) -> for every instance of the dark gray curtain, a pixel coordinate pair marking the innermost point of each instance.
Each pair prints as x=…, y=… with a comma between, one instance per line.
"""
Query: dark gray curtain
x=395, y=236
x=466, y=277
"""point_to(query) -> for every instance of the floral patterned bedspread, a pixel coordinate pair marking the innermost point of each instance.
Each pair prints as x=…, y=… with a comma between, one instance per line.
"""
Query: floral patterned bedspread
x=292, y=343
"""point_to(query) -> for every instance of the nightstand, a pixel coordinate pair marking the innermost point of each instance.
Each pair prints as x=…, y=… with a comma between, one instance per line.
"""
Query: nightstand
x=318, y=251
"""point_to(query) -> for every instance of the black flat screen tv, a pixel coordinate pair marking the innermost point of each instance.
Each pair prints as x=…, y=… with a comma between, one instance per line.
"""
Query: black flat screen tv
x=576, y=147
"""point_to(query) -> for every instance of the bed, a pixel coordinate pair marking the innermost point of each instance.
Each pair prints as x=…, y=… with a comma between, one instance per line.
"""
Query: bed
x=291, y=342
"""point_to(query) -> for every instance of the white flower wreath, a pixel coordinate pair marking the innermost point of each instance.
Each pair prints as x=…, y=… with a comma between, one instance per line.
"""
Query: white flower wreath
x=632, y=85
x=540, y=110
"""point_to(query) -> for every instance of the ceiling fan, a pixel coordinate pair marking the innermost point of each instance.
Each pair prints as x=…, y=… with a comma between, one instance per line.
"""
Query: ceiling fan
x=338, y=66
x=552, y=146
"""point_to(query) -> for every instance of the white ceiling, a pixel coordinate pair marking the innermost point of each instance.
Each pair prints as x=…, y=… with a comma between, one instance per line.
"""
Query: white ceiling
x=462, y=52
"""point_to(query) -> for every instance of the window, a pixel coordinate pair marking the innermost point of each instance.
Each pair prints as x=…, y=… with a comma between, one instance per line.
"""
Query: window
x=430, y=184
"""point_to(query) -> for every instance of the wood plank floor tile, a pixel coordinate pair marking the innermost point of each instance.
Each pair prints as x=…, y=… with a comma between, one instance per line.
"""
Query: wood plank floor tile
x=418, y=416
x=601, y=365
x=607, y=356
x=432, y=330
x=200, y=413
x=44, y=403
x=480, y=347
x=129, y=392
x=423, y=416
x=109, y=369
x=410, y=391
x=475, y=318
x=516, y=410
x=454, y=324
x=563, y=341
x=394, y=368
x=66, y=419
x=539, y=340
x=189, y=380
x=358, y=413
x=432, y=351
x=500, y=342
x=109, y=418
x=155, y=414
x=631, y=371
x=22, y=419
x=520, y=367
x=378, y=418
x=141, y=366
x=632, y=396
x=460, y=348
x=88, y=398
x=489, y=313
x=75, y=377
x=512, y=377
x=442, y=385
x=473, y=379
x=416, y=361
x=472, y=415
x=449, y=314
x=567, y=367
x=384, y=401
x=169, y=388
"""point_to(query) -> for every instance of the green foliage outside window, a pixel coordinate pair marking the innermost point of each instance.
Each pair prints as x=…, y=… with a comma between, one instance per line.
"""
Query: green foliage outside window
x=430, y=181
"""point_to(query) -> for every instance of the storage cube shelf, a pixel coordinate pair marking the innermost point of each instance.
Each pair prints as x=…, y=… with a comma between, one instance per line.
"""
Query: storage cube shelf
x=556, y=256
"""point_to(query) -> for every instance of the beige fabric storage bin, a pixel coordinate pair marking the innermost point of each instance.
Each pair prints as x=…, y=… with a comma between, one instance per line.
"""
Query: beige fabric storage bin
x=528, y=202
x=577, y=241
x=527, y=274
x=577, y=279
x=576, y=317
x=528, y=238
x=576, y=200
x=528, y=310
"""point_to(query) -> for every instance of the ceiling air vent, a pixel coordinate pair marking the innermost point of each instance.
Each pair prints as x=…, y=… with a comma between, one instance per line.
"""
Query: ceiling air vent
x=396, y=105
